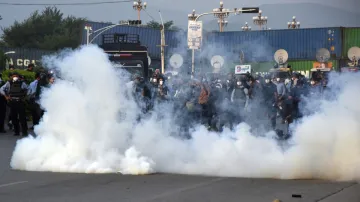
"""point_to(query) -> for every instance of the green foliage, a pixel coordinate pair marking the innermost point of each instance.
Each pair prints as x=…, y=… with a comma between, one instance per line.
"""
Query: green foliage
x=47, y=30
x=169, y=25
x=28, y=76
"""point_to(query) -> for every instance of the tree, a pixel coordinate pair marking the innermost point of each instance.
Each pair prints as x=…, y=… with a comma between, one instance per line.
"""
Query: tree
x=47, y=30
x=169, y=25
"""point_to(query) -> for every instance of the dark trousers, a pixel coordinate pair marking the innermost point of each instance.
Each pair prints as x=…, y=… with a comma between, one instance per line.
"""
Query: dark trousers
x=3, y=105
x=36, y=112
x=18, y=110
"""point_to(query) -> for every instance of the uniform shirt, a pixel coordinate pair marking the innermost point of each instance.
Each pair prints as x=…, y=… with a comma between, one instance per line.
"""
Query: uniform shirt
x=4, y=90
x=281, y=88
x=32, y=88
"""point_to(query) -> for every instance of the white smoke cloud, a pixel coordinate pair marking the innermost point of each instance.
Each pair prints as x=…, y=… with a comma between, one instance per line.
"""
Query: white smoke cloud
x=90, y=126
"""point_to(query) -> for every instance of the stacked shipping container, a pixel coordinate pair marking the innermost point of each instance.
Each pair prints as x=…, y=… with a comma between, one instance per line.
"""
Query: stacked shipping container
x=23, y=56
x=149, y=37
x=258, y=46
x=351, y=37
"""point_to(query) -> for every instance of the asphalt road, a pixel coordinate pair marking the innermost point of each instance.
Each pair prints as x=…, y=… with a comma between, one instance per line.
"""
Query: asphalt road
x=16, y=186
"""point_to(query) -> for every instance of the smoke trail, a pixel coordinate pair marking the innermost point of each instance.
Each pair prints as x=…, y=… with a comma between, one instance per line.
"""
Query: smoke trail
x=90, y=126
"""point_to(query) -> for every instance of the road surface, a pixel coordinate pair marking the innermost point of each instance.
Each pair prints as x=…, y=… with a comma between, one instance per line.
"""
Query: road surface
x=18, y=186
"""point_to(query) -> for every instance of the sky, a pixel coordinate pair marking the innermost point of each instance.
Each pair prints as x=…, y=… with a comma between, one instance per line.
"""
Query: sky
x=178, y=10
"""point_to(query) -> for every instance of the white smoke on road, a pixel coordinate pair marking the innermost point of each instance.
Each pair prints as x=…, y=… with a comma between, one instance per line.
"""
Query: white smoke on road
x=90, y=125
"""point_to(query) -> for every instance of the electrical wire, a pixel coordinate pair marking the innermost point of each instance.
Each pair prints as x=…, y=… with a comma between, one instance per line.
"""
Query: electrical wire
x=149, y=15
x=64, y=4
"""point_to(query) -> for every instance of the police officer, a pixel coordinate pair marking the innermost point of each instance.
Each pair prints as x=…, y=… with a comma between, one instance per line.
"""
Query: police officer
x=240, y=98
x=2, y=109
x=34, y=93
x=270, y=98
x=15, y=92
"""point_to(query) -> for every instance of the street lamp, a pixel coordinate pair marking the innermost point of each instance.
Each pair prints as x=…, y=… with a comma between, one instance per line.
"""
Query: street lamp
x=260, y=20
x=138, y=6
x=221, y=13
x=294, y=24
x=246, y=27
x=192, y=16
x=89, y=31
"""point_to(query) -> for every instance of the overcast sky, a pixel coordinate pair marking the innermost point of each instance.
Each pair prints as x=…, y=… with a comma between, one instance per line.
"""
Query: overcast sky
x=171, y=9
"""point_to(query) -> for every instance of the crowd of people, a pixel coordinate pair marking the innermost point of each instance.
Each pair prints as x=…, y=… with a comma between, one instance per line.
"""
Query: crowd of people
x=217, y=101
x=18, y=97
x=269, y=102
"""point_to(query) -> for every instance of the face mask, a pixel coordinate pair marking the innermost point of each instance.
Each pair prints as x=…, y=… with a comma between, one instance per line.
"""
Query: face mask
x=278, y=79
x=161, y=82
x=15, y=78
x=238, y=83
x=312, y=83
x=267, y=81
x=154, y=80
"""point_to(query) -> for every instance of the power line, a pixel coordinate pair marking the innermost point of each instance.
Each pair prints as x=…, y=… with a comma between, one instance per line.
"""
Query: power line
x=65, y=4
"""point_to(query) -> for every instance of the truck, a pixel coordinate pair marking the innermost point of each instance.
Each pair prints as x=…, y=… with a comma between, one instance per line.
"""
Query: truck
x=126, y=52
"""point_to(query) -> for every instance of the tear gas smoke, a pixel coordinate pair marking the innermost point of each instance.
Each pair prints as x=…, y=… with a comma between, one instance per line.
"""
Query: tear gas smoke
x=90, y=126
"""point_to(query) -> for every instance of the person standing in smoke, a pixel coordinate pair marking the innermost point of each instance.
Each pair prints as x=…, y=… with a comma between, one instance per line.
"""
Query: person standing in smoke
x=269, y=98
x=288, y=84
x=142, y=95
x=15, y=92
x=284, y=117
x=229, y=85
x=203, y=102
x=280, y=88
x=240, y=98
x=297, y=94
x=315, y=88
x=34, y=95
x=3, y=106
x=294, y=80
x=162, y=91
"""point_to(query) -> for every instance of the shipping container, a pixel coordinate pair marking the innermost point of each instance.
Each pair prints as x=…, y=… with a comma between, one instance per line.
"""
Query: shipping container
x=148, y=37
x=303, y=66
x=351, y=37
x=22, y=57
x=261, y=45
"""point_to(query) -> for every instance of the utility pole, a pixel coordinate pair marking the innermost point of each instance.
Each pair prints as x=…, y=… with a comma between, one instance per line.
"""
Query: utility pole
x=162, y=46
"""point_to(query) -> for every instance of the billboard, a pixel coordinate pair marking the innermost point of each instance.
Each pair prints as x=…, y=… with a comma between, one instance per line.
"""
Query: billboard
x=242, y=69
x=194, y=34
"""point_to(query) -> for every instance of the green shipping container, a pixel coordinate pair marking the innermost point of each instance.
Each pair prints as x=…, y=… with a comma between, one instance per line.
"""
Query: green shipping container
x=303, y=66
x=351, y=37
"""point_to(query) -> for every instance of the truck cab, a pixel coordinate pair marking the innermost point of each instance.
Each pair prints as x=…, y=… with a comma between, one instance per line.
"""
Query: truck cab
x=126, y=52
